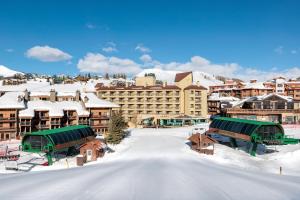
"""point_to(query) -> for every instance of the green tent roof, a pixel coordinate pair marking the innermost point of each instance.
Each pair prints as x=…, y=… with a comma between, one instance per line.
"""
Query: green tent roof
x=246, y=121
x=57, y=130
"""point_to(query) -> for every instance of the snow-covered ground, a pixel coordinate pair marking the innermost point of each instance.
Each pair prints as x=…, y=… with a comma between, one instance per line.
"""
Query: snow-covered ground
x=158, y=164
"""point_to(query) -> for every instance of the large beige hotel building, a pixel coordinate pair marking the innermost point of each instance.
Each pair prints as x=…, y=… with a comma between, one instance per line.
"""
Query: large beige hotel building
x=147, y=99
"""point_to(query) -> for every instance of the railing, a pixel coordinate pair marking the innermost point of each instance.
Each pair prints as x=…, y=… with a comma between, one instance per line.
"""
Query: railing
x=25, y=123
x=99, y=125
x=254, y=111
x=8, y=128
x=83, y=122
x=7, y=118
x=55, y=122
x=42, y=126
x=100, y=116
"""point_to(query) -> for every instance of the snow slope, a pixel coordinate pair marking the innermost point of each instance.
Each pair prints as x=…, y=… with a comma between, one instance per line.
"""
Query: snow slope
x=151, y=164
x=204, y=79
x=6, y=72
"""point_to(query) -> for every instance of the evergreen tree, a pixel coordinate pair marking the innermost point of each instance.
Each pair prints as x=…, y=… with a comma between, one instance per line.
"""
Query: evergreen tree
x=116, y=128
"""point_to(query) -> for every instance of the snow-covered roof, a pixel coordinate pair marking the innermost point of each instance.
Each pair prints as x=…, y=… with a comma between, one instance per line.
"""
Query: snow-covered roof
x=94, y=102
x=56, y=109
x=257, y=85
x=12, y=100
x=223, y=98
x=35, y=94
x=44, y=86
x=263, y=97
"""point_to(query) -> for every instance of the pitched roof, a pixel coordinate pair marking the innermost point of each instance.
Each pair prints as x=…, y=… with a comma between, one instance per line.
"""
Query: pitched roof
x=195, y=87
x=195, y=138
x=180, y=76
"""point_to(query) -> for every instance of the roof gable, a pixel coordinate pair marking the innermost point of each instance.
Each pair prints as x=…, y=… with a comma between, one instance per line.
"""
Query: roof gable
x=180, y=76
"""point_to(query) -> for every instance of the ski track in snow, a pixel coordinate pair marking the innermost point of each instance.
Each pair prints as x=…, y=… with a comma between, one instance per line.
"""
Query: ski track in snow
x=154, y=164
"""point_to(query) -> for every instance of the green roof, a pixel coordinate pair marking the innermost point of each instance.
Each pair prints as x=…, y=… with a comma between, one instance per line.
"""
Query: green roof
x=246, y=121
x=57, y=130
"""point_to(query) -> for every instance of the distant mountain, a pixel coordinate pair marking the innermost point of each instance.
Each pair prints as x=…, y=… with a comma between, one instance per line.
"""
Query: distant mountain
x=6, y=72
x=204, y=79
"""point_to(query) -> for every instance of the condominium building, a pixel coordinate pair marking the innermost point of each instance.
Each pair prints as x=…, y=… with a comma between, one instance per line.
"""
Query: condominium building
x=146, y=98
x=22, y=112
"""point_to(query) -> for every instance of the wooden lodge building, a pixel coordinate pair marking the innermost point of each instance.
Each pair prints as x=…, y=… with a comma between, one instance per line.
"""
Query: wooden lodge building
x=272, y=107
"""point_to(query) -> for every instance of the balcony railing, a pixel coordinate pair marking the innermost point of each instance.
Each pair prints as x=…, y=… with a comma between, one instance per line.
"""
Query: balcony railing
x=100, y=116
x=55, y=122
x=25, y=123
x=83, y=122
x=7, y=118
x=265, y=111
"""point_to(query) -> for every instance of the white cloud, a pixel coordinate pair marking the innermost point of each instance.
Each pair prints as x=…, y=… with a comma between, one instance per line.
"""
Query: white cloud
x=141, y=48
x=294, y=52
x=101, y=64
x=198, y=63
x=9, y=50
x=90, y=26
x=98, y=63
x=110, y=47
x=146, y=58
x=279, y=50
x=47, y=54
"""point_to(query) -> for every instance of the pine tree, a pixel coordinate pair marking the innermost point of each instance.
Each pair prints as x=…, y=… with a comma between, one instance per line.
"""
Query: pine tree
x=116, y=128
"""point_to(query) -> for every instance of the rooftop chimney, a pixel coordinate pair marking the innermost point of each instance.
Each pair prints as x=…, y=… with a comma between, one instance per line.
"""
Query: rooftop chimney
x=52, y=95
x=164, y=83
x=19, y=98
x=77, y=96
x=198, y=83
x=253, y=81
x=26, y=95
x=86, y=99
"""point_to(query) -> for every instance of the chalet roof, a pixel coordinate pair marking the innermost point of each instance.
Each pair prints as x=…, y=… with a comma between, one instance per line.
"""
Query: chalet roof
x=91, y=143
x=180, y=76
x=205, y=138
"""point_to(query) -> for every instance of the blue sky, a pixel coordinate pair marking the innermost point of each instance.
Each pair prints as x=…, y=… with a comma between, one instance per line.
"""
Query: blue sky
x=231, y=37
